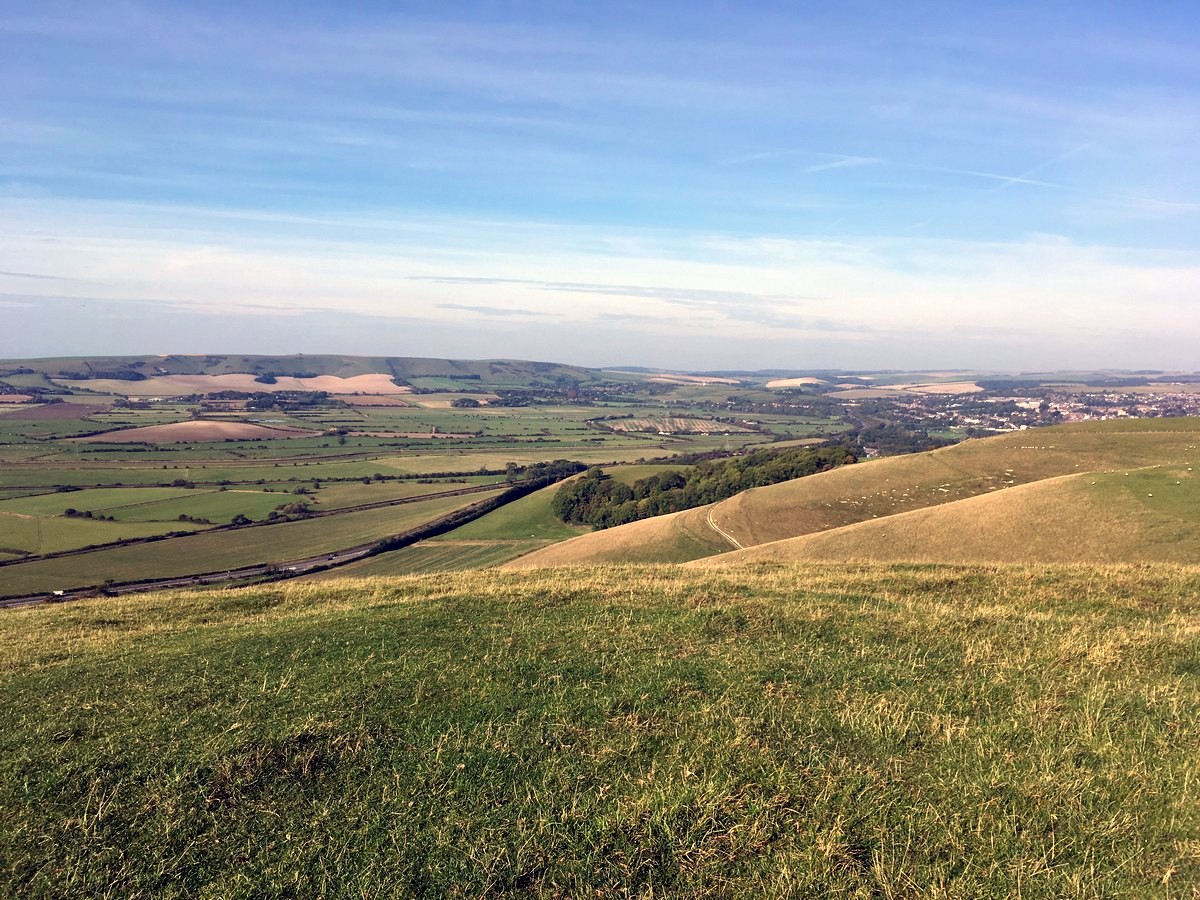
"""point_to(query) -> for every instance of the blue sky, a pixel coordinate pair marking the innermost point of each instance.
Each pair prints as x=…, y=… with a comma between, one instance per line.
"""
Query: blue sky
x=700, y=185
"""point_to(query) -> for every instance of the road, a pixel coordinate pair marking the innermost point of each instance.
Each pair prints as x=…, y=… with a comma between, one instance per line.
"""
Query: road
x=289, y=569
x=311, y=514
x=295, y=567
x=721, y=531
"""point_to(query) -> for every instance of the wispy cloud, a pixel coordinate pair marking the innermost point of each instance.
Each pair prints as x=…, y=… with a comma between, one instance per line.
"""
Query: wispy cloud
x=36, y=276
x=846, y=162
x=502, y=311
x=554, y=170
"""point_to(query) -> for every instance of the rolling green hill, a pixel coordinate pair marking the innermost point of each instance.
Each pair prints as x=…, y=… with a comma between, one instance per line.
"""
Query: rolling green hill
x=889, y=491
x=763, y=731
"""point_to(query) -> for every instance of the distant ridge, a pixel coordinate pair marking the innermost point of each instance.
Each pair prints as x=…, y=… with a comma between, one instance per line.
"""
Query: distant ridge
x=403, y=368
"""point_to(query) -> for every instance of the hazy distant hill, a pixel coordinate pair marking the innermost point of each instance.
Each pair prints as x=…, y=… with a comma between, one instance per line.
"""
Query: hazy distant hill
x=981, y=500
x=404, y=369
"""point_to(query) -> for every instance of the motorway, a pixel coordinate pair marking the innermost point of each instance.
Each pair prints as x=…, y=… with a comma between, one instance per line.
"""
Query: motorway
x=273, y=571
x=261, y=570
x=311, y=514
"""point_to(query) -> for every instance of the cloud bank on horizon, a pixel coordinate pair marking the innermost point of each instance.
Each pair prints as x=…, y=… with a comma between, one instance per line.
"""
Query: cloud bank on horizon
x=692, y=185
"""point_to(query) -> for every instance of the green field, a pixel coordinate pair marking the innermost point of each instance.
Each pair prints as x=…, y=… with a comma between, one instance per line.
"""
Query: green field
x=37, y=524
x=215, y=551
x=529, y=518
x=437, y=555
x=872, y=731
x=36, y=535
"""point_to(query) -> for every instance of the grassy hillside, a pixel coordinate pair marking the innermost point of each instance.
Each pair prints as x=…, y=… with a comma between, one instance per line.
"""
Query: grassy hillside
x=673, y=538
x=767, y=731
x=1145, y=515
x=882, y=488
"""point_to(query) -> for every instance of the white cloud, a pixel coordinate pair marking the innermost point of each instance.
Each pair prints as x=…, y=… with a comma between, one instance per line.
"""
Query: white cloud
x=746, y=289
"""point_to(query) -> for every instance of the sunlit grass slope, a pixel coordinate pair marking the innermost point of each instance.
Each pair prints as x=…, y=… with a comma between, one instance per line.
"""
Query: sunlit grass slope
x=766, y=731
x=879, y=488
x=1146, y=515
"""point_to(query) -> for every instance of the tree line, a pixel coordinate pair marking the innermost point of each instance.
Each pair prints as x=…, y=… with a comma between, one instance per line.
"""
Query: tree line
x=596, y=499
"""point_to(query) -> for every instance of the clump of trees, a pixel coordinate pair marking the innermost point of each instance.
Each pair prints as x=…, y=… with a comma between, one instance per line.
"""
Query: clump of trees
x=72, y=513
x=596, y=499
x=541, y=474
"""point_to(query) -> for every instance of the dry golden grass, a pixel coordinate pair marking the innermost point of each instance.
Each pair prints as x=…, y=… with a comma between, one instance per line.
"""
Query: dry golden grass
x=1059, y=520
x=677, y=537
x=878, y=489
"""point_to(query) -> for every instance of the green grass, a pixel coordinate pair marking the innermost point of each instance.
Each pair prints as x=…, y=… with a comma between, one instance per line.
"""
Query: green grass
x=215, y=551
x=433, y=556
x=818, y=731
x=218, y=507
x=529, y=518
x=38, y=535
x=104, y=500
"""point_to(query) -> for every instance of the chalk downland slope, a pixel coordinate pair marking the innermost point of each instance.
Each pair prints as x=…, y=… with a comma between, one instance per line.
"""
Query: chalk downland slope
x=879, y=489
x=677, y=537
x=1144, y=516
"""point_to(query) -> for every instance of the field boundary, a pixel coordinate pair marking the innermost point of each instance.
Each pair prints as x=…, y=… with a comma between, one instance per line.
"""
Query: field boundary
x=278, y=571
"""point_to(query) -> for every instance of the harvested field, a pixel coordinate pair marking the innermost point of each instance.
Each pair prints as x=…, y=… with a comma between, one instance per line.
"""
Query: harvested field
x=371, y=400
x=446, y=400
x=671, y=378
x=202, y=430
x=671, y=425
x=15, y=398
x=54, y=411
x=167, y=385
x=861, y=393
x=946, y=387
x=793, y=382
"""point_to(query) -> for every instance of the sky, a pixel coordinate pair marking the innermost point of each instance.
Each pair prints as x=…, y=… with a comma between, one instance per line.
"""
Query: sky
x=691, y=185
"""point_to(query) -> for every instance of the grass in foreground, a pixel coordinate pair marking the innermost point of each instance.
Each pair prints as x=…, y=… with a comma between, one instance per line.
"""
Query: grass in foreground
x=846, y=731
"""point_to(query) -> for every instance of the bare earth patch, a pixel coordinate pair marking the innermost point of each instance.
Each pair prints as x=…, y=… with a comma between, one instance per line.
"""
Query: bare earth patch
x=857, y=392
x=793, y=382
x=672, y=425
x=672, y=378
x=371, y=400
x=946, y=387
x=202, y=430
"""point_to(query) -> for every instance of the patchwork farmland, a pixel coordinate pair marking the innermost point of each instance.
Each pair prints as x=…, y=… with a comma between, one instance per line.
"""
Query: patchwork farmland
x=106, y=480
